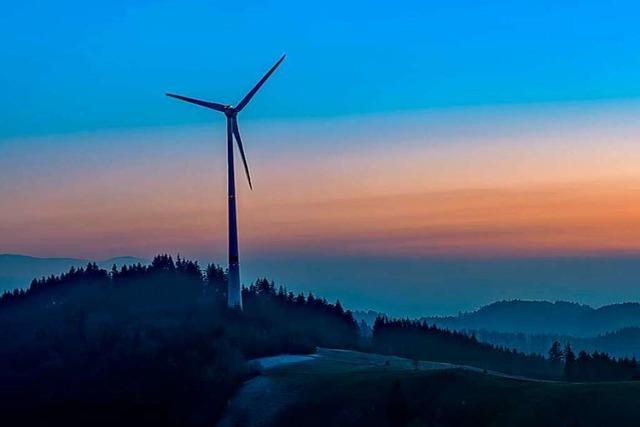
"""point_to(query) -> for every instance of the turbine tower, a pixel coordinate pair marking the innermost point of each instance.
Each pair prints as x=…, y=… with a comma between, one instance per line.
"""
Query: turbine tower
x=234, y=294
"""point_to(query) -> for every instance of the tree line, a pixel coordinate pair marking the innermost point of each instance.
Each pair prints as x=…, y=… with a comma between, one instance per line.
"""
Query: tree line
x=419, y=340
x=596, y=366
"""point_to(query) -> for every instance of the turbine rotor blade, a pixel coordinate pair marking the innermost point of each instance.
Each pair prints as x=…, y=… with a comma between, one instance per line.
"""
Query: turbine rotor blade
x=207, y=104
x=236, y=133
x=253, y=91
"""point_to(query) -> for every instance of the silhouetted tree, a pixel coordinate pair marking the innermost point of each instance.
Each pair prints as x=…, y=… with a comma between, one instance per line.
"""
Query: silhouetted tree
x=569, y=362
x=555, y=352
x=555, y=355
x=216, y=282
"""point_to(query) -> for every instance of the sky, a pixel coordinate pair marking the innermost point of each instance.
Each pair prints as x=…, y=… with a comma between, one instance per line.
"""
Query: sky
x=426, y=139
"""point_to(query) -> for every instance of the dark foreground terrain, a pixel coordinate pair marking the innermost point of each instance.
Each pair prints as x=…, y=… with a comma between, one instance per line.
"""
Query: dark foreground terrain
x=356, y=390
x=146, y=345
x=155, y=345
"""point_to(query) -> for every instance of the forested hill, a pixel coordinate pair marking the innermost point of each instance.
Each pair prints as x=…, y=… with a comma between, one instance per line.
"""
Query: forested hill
x=152, y=345
x=542, y=317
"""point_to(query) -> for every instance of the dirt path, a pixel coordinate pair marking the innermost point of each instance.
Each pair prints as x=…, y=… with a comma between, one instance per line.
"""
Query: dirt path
x=259, y=400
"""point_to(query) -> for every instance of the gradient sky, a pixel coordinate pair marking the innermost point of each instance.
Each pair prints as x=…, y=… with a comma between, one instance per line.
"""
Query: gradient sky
x=458, y=130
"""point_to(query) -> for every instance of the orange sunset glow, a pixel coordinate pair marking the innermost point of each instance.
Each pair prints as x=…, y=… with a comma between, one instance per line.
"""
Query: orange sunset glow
x=468, y=182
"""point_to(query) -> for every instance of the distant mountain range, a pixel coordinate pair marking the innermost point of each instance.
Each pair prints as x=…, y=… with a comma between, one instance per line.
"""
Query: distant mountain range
x=621, y=343
x=531, y=326
x=542, y=317
x=17, y=271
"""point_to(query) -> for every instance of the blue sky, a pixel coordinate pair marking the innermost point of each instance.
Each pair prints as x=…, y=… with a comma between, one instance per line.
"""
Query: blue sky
x=466, y=130
x=80, y=66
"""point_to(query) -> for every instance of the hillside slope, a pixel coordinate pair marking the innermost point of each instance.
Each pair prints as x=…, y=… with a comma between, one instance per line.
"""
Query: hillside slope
x=457, y=398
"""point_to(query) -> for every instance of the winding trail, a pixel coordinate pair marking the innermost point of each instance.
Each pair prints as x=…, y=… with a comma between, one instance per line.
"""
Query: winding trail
x=260, y=400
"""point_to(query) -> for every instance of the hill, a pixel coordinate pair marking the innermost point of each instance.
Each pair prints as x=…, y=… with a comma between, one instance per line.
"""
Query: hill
x=17, y=271
x=388, y=396
x=542, y=317
x=150, y=345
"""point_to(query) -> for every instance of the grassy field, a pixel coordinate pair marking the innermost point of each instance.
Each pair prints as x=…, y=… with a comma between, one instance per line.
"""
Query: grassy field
x=355, y=389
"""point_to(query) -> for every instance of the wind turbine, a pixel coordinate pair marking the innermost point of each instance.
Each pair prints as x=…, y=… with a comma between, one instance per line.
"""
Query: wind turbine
x=234, y=294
